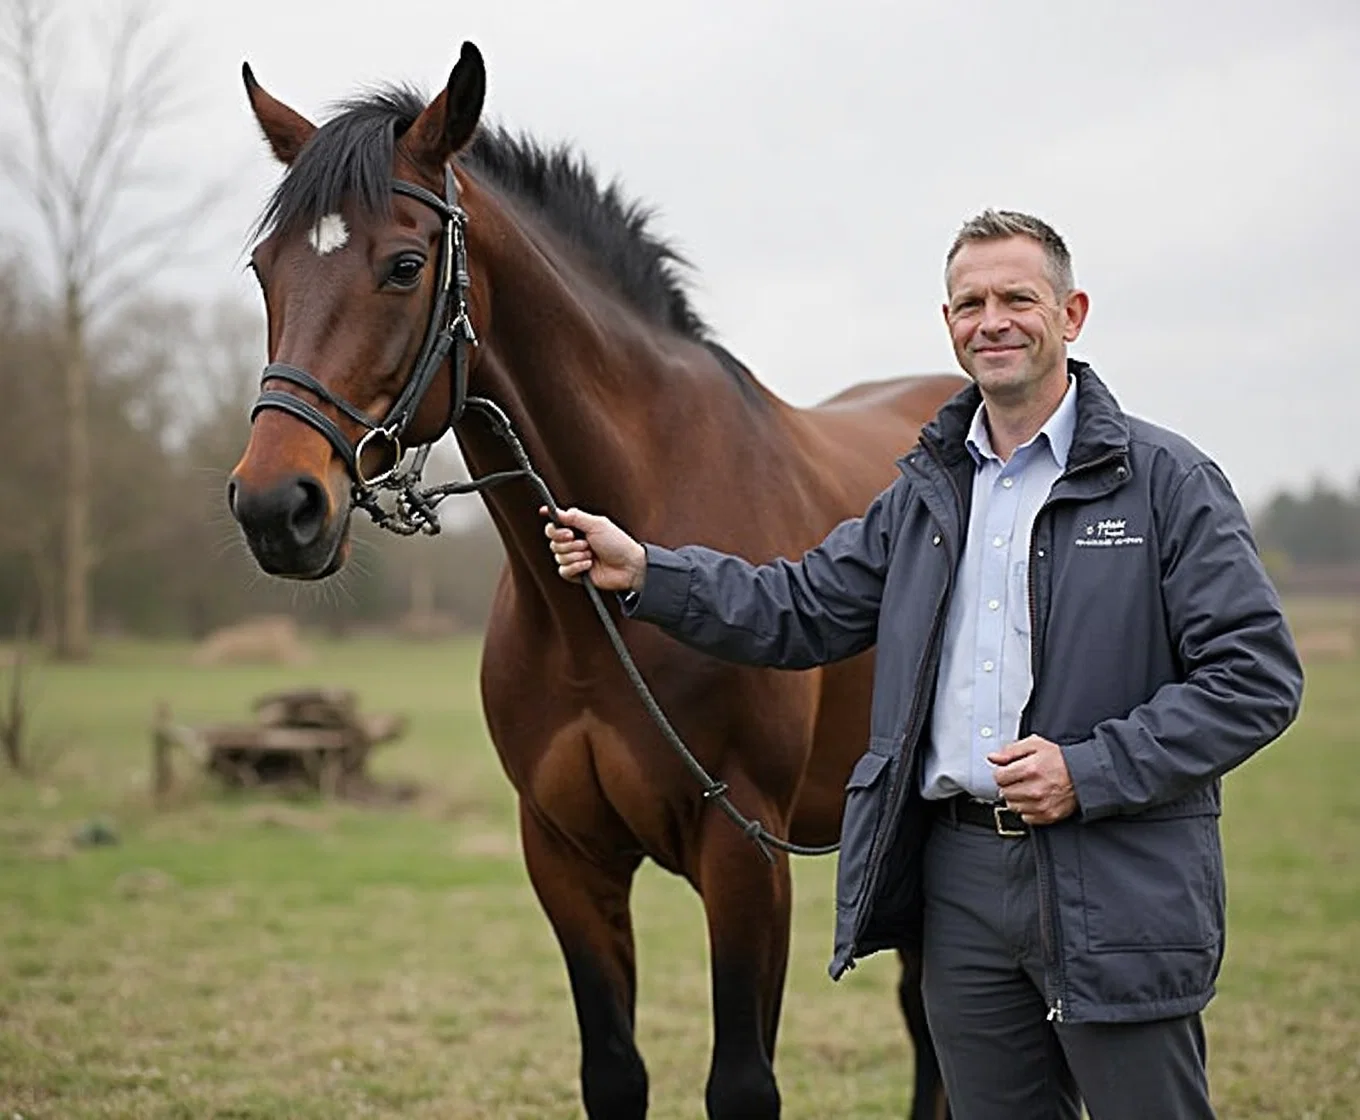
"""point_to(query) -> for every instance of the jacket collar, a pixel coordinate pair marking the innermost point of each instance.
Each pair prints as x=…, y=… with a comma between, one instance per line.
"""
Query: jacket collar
x=1053, y=439
x=1102, y=429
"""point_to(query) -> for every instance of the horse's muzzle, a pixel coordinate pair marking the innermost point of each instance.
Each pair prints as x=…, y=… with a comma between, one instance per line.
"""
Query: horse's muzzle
x=289, y=526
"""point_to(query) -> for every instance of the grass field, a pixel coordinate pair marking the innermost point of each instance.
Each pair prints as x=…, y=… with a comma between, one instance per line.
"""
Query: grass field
x=254, y=956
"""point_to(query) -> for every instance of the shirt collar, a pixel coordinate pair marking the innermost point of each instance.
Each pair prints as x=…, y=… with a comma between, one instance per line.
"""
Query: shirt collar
x=1057, y=431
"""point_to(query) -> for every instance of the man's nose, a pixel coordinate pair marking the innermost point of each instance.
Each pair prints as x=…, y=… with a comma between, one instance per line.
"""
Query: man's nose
x=996, y=318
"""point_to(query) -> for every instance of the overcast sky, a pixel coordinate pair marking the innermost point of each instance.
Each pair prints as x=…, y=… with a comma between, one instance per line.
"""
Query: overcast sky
x=814, y=161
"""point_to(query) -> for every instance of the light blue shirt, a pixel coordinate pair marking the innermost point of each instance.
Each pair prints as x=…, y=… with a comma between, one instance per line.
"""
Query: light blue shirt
x=985, y=672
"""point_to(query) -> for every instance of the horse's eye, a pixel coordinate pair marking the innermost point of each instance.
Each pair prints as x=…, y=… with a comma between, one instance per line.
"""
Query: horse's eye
x=406, y=271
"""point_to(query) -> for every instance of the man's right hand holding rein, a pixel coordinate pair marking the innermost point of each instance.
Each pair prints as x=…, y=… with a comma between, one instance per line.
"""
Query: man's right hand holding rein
x=582, y=542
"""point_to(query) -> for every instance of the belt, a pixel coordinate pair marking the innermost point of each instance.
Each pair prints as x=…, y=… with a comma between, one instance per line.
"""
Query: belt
x=963, y=808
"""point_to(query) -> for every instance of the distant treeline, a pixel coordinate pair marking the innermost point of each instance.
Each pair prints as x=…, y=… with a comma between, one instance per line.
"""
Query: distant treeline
x=1311, y=541
x=1321, y=527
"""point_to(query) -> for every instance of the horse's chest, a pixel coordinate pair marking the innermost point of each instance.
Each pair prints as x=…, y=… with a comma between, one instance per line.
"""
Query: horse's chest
x=583, y=753
x=591, y=780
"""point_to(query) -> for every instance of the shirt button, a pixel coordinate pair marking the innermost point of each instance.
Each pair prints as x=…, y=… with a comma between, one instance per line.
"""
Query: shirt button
x=993, y=604
x=1008, y=482
x=935, y=540
x=986, y=732
x=998, y=541
x=988, y=666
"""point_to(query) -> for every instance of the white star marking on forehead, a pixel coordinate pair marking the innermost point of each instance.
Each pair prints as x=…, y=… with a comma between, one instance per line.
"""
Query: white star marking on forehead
x=329, y=234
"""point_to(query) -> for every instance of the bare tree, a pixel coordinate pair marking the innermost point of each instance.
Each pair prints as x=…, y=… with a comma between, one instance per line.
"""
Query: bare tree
x=78, y=165
x=29, y=486
x=14, y=709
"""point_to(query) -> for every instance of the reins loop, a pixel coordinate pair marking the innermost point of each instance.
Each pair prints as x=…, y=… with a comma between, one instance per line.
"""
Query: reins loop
x=413, y=506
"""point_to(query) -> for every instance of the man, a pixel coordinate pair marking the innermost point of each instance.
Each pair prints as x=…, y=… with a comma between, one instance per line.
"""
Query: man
x=1075, y=641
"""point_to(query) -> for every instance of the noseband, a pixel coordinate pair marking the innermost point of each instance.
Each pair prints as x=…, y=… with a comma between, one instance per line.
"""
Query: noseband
x=449, y=330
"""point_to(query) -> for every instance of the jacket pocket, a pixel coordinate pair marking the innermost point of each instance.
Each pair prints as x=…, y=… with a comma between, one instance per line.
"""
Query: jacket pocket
x=865, y=794
x=1151, y=884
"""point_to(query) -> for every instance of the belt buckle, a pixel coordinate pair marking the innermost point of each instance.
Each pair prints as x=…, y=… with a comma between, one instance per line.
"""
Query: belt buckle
x=1001, y=829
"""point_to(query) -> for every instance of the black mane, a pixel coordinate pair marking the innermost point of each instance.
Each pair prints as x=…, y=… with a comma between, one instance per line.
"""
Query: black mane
x=350, y=156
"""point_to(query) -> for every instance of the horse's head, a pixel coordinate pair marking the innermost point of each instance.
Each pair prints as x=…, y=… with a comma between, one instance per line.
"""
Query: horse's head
x=358, y=269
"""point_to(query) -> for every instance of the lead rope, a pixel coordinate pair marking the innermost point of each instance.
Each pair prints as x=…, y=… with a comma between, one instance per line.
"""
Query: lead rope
x=414, y=513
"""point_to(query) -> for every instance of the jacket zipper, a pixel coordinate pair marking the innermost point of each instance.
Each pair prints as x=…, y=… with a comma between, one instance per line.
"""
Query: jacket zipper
x=1050, y=926
x=1049, y=929
x=1049, y=932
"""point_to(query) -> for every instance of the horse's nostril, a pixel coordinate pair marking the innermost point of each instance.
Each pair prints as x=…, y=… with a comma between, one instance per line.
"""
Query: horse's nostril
x=289, y=516
x=307, y=518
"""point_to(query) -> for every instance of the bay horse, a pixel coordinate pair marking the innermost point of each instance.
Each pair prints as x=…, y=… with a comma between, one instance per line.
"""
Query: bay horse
x=402, y=229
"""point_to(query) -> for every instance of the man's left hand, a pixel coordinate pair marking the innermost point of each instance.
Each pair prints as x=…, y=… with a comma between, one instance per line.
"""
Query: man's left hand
x=1033, y=779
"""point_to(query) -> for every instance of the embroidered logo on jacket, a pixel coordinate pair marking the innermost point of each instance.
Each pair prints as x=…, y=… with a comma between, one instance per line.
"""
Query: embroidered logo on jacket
x=1109, y=533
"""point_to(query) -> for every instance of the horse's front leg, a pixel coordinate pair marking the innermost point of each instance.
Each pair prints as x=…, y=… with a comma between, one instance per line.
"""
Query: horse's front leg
x=587, y=904
x=747, y=905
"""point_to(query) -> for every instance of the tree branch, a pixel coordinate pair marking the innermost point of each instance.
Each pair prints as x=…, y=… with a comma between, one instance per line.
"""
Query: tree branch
x=133, y=106
x=78, y=197
x=22, y=54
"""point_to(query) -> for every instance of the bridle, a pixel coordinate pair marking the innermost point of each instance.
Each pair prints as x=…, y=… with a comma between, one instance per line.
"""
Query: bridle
x=449, y=332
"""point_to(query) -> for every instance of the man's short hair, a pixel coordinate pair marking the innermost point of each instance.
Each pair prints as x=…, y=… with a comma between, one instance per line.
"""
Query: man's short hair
x=994, y=225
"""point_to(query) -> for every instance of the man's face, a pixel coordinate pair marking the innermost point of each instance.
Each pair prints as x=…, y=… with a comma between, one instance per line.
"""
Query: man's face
x=1009, y=327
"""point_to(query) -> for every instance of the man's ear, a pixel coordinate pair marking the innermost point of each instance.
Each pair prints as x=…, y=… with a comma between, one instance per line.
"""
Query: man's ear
x=286, y=130
x=449, y=121
x=1076, y=307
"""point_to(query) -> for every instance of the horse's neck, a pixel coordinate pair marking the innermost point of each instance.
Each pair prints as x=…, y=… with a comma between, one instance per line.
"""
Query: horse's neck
x=576, y=374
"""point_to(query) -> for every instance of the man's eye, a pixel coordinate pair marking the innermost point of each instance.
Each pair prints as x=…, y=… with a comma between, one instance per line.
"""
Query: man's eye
x=406, y=271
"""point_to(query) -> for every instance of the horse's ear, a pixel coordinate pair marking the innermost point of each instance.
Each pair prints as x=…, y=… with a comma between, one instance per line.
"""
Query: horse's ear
x=285, y=129
x=449, y=121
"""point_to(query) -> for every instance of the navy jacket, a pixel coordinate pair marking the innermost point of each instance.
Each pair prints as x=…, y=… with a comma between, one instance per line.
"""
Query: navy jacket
x=1161, y=660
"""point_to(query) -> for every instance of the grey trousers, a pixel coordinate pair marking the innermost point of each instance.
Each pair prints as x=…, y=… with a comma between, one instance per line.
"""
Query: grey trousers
x=983, y=981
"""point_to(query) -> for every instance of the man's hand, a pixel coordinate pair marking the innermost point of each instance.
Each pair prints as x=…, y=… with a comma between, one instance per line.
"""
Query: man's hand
x=584, y=543
x=1034, y=781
